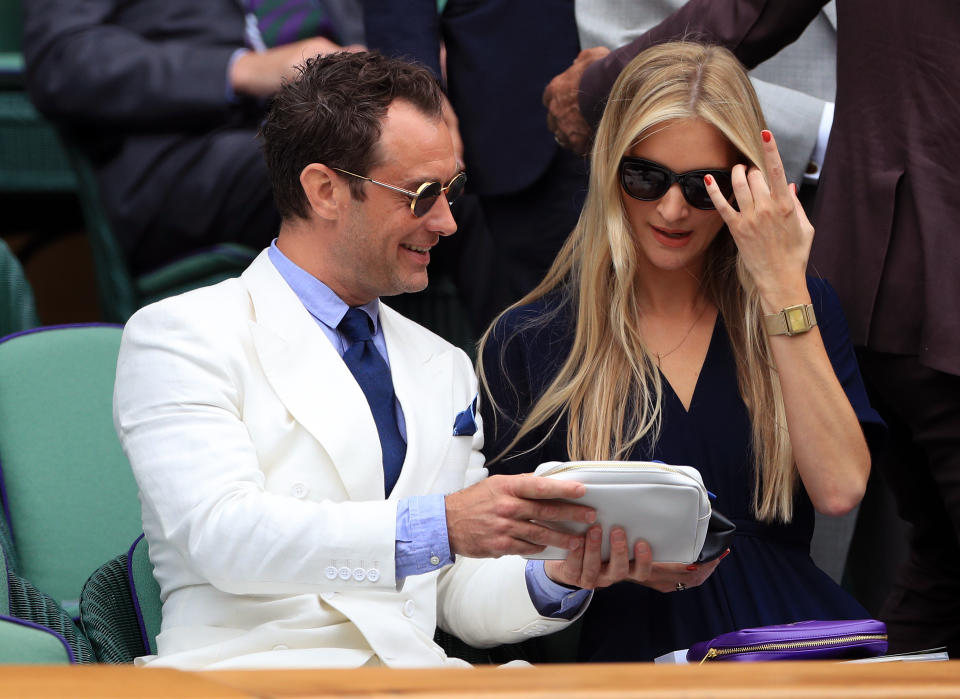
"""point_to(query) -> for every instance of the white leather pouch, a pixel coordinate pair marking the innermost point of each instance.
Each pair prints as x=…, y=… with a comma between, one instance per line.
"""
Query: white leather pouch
x=665, y=505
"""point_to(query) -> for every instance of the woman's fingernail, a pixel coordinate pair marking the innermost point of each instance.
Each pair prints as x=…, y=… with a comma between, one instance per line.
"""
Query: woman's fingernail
x=595, y=535
x=708, y=179
x=766, y=135
x=724, y=555
x=691, y=567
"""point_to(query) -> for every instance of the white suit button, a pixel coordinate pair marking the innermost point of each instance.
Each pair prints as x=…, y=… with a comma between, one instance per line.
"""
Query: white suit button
x=408, y=608
x=331, y=572
x=359, y=574
x=280, y=646
x=299, y=490
x=345, y=573
x=373, y=575
x=327, y=595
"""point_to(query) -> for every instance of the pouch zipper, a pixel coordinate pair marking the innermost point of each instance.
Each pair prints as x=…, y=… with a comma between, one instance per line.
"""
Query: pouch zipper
x=615, y=466
x=787, y=645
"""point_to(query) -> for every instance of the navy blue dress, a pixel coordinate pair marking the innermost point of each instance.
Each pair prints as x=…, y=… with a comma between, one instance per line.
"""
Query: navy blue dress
x=769, y=577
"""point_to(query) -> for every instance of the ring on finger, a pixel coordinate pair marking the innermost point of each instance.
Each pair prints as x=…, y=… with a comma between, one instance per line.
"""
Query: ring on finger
x=681, y=587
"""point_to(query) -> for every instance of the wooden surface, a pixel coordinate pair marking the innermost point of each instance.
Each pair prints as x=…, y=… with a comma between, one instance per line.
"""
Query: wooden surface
x=813, y=680
x=108, y=682
x=810, y=680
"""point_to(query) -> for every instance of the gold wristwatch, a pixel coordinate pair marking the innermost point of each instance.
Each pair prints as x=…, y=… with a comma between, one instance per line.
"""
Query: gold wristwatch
x=791, y=320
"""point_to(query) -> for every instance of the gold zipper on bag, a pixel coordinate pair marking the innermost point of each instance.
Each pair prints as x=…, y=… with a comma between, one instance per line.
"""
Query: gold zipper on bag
x=787, y=645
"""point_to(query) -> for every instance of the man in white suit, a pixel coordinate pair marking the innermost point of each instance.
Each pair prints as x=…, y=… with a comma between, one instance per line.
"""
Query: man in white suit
x=279, y=532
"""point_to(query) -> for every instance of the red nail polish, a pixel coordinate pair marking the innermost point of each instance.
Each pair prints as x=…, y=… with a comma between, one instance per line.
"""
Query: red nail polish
x=691, y=567
x=766, y=135
x=724, y=555
x=708, y=179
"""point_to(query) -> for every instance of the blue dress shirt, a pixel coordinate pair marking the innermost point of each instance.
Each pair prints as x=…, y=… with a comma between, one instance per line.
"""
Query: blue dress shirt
x=421, y=544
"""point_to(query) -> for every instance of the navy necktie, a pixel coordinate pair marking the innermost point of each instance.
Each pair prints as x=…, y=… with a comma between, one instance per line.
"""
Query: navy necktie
x=372, y=373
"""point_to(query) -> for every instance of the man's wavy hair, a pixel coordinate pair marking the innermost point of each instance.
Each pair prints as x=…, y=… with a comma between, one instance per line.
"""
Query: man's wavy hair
x=332, y=113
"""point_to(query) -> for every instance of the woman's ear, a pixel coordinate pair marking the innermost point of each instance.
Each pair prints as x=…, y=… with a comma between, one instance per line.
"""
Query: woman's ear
x=323, y=189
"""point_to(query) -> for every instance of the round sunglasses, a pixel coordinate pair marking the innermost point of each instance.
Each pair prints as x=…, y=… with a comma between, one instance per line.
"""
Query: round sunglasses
x=426, y=195
x=648, y=181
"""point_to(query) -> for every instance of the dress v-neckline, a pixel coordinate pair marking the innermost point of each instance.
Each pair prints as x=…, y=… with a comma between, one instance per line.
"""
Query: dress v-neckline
x=696, y=387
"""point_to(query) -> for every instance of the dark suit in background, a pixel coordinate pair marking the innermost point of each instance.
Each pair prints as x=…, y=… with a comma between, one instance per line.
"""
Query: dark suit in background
x=888, y=238
x=500, y=56
x=141, y=87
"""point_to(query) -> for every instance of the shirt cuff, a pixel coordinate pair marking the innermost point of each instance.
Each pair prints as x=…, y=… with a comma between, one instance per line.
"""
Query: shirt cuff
x=232, y=97
x=820, y=149
x=551, y=598
x=422, y=545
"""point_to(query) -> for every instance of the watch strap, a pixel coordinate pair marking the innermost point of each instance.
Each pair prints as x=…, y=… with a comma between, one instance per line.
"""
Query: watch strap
x=791, y=320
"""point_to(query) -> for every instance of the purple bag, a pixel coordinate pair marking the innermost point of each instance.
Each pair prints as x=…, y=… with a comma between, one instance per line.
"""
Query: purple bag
x=804, y=640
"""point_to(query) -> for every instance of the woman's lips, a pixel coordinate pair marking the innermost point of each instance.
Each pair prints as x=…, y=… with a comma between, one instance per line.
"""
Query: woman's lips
x=671, y=237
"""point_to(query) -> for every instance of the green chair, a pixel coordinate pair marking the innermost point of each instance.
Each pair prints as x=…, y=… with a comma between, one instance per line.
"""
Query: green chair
x=33, y=627
x=32, y=159
x=69, y=496
x=120, y=607
x=17, y=308
x=122, y=293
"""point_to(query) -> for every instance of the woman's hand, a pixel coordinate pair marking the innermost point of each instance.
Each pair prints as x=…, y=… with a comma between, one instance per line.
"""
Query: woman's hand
x=771, y=230
x=583, y=567
x=676, y=577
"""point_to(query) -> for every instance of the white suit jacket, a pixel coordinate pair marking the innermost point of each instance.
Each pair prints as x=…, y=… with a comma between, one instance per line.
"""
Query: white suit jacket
x=793, y=86
x=261, y=483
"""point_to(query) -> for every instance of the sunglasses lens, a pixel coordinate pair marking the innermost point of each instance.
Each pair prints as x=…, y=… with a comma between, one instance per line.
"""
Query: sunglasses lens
x=425, y=199
x=695, y=190
x=644, y=182
x=455, y=188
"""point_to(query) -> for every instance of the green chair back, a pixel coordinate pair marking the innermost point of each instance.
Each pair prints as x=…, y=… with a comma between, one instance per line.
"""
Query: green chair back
x=122, y=293
x=146, y=592
x=69, y=495
x=11, y=43
x=120, y=607
x=17, y=308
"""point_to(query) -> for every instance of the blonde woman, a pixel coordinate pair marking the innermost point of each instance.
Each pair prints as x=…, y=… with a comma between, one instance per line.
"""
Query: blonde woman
x=660, y=333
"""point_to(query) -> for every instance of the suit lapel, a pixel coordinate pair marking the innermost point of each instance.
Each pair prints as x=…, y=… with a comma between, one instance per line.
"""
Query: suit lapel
x=423, y=381
x=312, y=381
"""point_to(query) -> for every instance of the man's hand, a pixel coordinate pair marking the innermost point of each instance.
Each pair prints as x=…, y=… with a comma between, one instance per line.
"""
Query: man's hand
x=583, y=567
x=260, y=74
x=493, y=517
x=562, y=100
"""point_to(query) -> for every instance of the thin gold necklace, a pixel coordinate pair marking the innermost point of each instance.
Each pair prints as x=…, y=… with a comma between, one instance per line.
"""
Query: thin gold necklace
x=661, y=357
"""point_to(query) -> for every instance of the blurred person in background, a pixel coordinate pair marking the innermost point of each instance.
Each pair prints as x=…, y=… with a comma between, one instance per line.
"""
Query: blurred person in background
x=164, y=98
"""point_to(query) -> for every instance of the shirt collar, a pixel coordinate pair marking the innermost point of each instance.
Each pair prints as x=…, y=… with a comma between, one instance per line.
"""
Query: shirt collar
x=318, y=298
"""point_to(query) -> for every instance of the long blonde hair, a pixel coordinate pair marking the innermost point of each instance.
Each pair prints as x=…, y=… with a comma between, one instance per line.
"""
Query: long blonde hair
x=609, y=388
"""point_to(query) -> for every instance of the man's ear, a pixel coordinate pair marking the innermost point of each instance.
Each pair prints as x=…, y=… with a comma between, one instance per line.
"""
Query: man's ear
x=324, y=190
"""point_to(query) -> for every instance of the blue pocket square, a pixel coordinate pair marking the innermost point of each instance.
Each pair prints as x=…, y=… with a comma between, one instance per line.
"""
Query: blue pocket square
x=465, y=424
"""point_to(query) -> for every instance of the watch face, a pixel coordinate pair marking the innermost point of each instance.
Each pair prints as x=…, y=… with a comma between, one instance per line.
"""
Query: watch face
x=796, y=319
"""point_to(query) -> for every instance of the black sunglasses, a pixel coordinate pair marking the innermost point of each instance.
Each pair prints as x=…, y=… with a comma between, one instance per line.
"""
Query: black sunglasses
x=648, y=181
x=426, y=195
